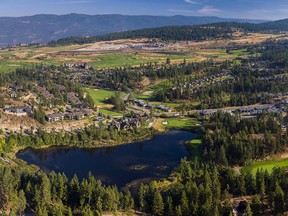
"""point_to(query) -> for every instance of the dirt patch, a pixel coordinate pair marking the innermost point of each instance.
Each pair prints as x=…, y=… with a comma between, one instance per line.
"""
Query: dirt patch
x=16, y=123
x=158, y=125
x=146, y=81
x=67, y=125
x=284, y=155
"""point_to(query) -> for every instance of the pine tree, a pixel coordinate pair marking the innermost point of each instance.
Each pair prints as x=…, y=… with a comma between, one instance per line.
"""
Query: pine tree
x=278, y=199
x=184, y=203
x=158, y=205
x=178, y=211
x=169, y=206
x=248, y=211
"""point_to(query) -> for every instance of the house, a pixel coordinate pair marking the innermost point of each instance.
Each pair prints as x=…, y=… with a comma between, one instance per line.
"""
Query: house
x=125, y=125
x=75, y=115
x=100, y=118
x=207, y=112
x=135, y=123
x=78, y=65
x=73, y=98
x=54, y=117
x=18, y=110
x=87, y=112
x=164, y=108
x=116, y=125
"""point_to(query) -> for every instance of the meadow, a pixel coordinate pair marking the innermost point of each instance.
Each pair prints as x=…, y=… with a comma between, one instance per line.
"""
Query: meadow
x=265, y=165
x=178, y=123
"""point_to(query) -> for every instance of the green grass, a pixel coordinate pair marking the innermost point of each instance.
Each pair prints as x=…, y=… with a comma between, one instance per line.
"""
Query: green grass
x=133, y=59
x=265, y=165
x=99, y=96
x=7, y=66
x=180, y=123
x=110, y=112
x=161, y=85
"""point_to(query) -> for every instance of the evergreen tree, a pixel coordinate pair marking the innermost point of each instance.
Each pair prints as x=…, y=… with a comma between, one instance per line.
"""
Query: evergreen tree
x=158, y=205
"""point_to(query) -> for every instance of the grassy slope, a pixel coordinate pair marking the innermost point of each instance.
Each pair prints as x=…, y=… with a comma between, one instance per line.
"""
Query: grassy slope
x=265, y=165
x=99, y=97
x=24, y=56
x=181, y=123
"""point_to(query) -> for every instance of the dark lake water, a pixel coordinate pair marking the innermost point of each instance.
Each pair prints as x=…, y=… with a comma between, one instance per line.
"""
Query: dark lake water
x=154, y=158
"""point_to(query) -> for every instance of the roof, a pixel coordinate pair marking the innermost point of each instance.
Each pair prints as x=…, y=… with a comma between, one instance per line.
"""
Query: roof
x=55, y=115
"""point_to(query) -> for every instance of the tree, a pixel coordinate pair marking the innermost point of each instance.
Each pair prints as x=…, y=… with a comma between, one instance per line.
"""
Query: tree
x=278, y=199
x=158, y=205
x=184, y=203
x=178, y=211
x=169, y=206
x=256, y=205
x=21, y=202
x=248, y=211
x=168, y=60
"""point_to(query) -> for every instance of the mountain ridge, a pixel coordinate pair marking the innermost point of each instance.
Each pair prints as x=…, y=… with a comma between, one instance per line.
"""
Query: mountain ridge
x=42, y=28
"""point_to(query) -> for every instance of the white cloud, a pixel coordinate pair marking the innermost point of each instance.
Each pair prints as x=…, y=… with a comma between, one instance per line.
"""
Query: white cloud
x=209, y=10
x=191, y=2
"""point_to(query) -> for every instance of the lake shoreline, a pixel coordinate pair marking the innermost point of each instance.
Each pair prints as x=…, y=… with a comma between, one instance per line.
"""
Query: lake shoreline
x=13, y=154
x=152, y=157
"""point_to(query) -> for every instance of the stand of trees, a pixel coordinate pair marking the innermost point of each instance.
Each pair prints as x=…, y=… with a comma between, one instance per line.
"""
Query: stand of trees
x=54, y=194
x=88, y=136
x=228, y=140
x=208, y=190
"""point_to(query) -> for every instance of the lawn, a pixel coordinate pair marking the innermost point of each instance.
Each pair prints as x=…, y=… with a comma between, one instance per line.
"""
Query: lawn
x=180, y=123
x=100, y=95
x=265, y=165
x=110, y=112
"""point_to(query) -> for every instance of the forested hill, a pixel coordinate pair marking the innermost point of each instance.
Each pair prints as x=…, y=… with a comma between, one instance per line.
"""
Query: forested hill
x=44, y=28
x=196, y=32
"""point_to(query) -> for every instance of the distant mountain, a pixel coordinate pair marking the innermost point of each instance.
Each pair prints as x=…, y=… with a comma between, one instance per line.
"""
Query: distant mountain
x=44, y=28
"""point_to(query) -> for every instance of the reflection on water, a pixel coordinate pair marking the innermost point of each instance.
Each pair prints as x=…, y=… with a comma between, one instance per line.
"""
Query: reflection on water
x=119, y=165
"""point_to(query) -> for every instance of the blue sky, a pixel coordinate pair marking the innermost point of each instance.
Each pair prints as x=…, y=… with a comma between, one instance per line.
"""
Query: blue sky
x=257, y=9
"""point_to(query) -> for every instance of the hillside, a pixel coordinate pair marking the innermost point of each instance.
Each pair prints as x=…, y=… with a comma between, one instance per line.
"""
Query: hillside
x=44, y=28
x=182, y=33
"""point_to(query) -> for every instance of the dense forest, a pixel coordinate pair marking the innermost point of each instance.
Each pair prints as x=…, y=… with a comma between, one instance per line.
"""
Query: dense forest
x=230, y=140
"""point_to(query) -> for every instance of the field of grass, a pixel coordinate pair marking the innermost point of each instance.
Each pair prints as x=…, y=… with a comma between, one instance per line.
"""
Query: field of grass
x=265, y=165
x=24, y=56
x=99, y=96
x=221, y=53
x=181, y=123
x=12, y=58
x=110, y=112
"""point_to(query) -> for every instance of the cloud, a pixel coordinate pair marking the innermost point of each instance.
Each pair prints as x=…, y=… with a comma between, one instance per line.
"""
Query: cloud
x=209, y=10
x=191, y=2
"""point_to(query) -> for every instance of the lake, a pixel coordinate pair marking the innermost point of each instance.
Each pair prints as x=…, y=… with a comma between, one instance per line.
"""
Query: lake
x=149, y=159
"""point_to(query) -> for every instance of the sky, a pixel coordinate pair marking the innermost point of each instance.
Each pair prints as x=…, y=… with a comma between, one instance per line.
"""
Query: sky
x=250, y=9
